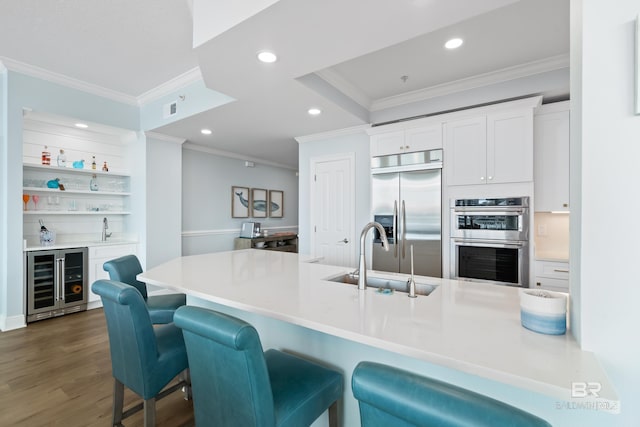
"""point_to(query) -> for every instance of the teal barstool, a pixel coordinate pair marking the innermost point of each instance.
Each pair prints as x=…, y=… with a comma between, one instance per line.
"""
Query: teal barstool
x=161, y=307
x=391, y=397
x=143, y=358
x=236, y=384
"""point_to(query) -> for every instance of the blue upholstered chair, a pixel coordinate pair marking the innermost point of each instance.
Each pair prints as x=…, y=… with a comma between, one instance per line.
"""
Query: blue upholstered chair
x=161, y=307
x=390, y=397
x=236, y=384
x=143, y=358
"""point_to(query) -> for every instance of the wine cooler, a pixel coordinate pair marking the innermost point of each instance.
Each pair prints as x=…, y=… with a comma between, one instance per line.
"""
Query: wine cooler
x=57, y=283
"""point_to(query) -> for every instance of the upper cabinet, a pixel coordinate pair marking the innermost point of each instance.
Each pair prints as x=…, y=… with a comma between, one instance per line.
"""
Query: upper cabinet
x=406, y=140
x=491, y=148
x=551, y=136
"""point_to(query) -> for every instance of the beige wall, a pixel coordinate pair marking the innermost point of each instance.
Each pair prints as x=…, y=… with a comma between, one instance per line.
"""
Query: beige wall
x=551, y=235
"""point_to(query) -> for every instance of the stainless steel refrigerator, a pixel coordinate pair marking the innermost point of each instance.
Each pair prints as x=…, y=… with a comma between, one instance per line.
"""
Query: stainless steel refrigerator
x=406, y=201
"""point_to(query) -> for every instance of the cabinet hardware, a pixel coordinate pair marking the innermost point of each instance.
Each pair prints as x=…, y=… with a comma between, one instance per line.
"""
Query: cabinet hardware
x=557, y=270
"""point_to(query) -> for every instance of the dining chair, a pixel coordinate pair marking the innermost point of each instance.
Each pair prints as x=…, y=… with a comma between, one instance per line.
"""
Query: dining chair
x=391, y=397
x=143, y=357
x=161, y=307
x=235, y=383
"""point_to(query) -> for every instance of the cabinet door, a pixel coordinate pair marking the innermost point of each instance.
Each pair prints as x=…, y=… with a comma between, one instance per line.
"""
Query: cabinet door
x=386, y=143
x=423, y=138
x=510, y=147
x=98, y=255
x=551, y=160
x=465, y=151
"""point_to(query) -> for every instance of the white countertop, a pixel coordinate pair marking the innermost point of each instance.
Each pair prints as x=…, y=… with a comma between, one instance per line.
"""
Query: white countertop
x=554, y=256
x=471, y=327
x=30, y=245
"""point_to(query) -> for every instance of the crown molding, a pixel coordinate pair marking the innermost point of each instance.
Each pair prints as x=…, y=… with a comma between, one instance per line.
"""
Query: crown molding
x=170, y=86
x=50, y=76
x=167, y=138
x=216, y=152
x=3, y=69
x=332, y=134
x=505, y=74
x=352, y=91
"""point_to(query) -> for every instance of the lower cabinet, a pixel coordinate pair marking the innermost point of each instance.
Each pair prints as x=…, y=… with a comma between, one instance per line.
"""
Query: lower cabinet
x=98, y=255
x=552, y=276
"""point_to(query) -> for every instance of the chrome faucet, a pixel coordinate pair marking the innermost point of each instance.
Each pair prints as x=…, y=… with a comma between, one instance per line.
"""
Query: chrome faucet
x=105, y=225
x=362, y=266
x=411, y=283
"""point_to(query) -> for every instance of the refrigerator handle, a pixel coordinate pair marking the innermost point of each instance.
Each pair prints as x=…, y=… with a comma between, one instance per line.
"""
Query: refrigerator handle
x=404, y=226
x=395, y=234
x=62, y=285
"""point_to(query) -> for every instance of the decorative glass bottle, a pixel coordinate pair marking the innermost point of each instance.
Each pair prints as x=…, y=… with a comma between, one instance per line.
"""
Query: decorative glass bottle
x=93, y=184
x=62, y=159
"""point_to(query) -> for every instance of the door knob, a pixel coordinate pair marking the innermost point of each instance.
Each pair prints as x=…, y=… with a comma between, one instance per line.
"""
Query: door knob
x=345, y=240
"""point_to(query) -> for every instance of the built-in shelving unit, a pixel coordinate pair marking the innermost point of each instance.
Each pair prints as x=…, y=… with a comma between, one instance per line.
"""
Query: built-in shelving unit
x=283, y=243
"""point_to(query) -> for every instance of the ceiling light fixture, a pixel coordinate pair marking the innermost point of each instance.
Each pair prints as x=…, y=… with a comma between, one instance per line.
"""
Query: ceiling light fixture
x=266, y=56
x=314, y=111
x=205, y=131
x=81, y=125
x=453, y=43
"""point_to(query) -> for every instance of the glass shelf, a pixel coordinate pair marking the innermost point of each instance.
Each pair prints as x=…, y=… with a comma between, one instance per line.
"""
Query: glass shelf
x=60, y=192
x=103, y=213
x=74, y=170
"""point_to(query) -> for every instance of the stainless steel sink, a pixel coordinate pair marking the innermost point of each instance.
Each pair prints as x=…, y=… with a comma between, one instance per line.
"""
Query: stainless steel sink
x=383, y=283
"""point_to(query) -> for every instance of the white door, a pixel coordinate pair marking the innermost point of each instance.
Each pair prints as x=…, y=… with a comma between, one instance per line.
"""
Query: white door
x=333, y=210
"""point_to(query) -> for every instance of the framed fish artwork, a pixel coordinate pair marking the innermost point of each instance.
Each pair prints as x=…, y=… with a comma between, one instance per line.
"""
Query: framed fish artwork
x=276, y=200
x=258, y=203
x=240, y=201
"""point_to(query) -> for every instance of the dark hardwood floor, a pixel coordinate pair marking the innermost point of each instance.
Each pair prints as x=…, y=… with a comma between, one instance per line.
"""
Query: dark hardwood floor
x=57, y=372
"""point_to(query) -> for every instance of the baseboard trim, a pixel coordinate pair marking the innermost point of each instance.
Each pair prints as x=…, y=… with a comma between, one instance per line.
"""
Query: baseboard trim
x=12, y=322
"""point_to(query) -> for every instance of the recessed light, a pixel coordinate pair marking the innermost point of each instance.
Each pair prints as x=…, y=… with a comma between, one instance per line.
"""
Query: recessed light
x=81, y=125
x=314, y=111
x=453, y=43
x=205, y=131
x=266, y=56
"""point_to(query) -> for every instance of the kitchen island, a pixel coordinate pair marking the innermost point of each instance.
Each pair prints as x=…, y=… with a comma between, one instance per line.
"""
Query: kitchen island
x=465, y=333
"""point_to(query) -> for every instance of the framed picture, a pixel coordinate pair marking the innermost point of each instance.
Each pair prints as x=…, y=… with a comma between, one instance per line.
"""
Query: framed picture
x=258, y=203
x=276, y=199
x=240, y=202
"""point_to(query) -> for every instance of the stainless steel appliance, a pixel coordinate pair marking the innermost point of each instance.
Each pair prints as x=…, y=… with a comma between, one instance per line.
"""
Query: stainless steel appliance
x=406, y=201
x=57, y=283
x=490, y=240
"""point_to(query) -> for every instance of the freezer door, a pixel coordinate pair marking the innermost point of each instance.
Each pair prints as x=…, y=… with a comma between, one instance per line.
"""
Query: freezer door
x=420, y=222
x=384, y=201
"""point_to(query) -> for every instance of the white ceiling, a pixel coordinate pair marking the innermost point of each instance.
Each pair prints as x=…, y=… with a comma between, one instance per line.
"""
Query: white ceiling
x=362, y=47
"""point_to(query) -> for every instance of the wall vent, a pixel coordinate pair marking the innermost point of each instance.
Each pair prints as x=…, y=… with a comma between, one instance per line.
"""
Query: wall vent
x=170, y=109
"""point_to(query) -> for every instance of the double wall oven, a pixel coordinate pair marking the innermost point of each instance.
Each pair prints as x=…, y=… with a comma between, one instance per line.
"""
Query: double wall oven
x=490, y=240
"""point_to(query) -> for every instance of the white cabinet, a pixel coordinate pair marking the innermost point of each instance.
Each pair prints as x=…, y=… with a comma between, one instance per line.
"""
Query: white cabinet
x=552, y=275
x=98, y=255
x=406, y=140
x=490, y=149
x=465, y=151
x=551, y=158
